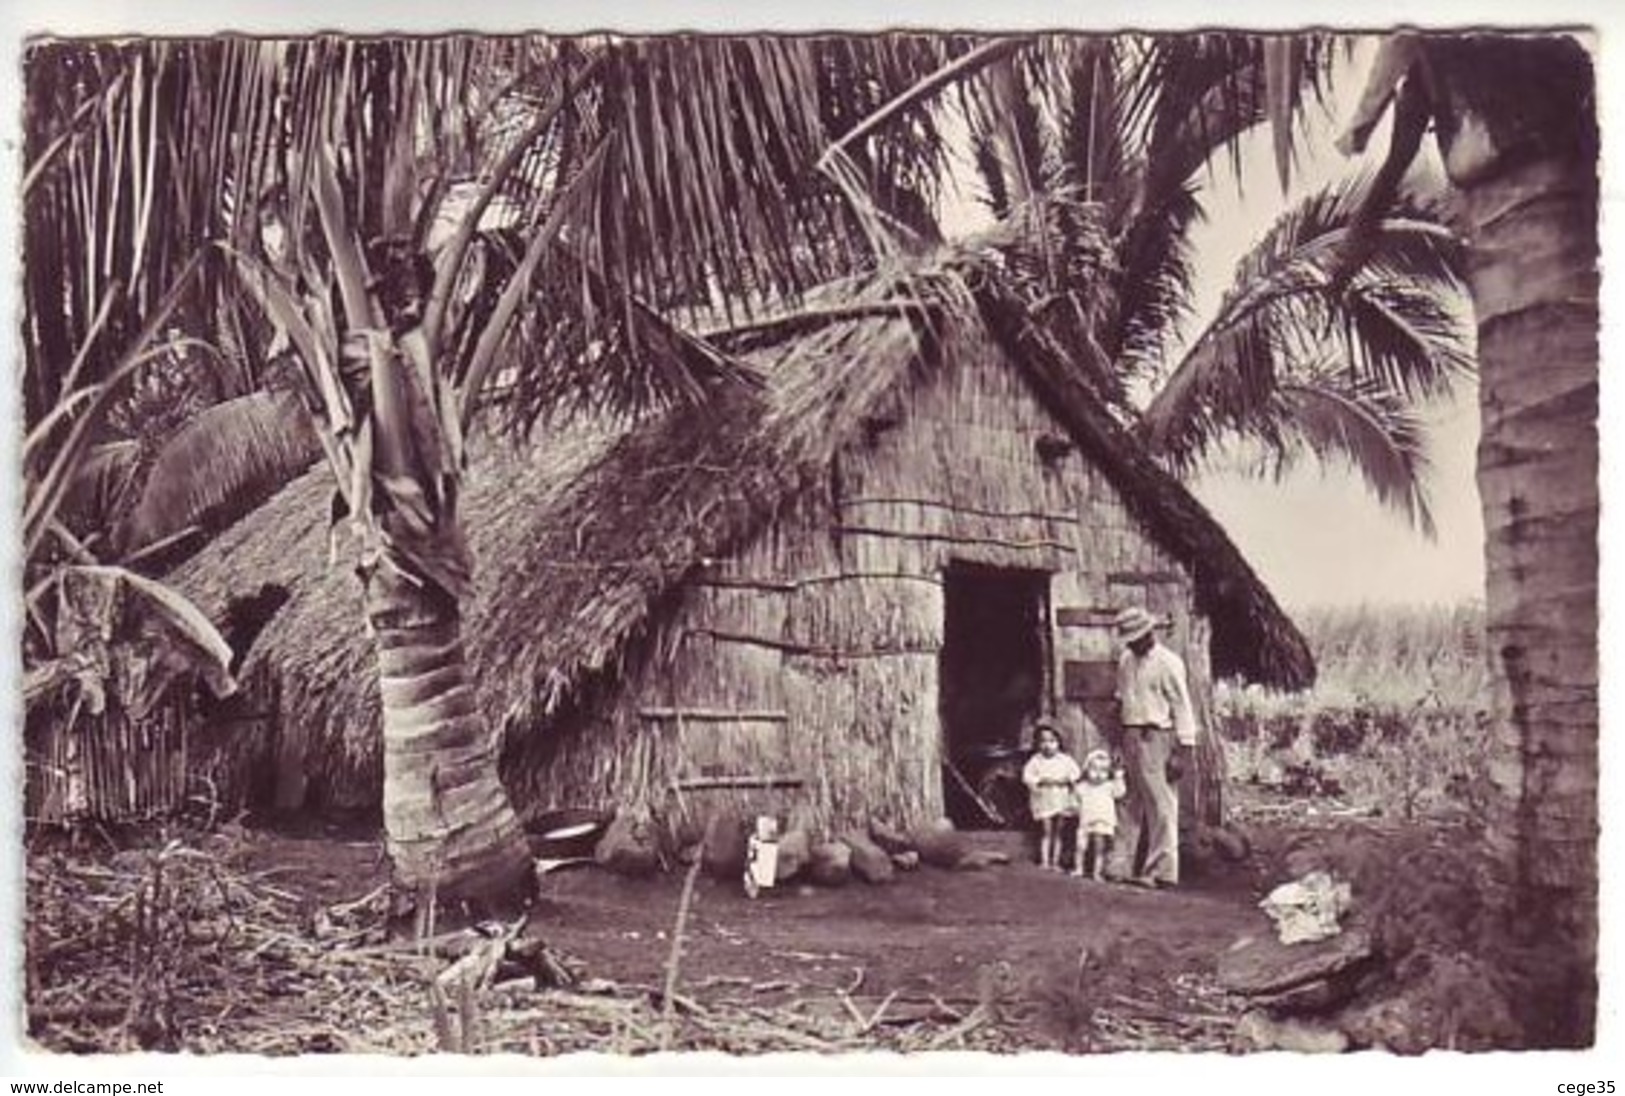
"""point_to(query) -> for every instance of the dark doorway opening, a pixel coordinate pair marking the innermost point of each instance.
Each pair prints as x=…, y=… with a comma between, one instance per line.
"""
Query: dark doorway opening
x=993, y=679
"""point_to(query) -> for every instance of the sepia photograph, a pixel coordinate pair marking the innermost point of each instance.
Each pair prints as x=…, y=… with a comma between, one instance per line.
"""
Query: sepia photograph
x=918, y=540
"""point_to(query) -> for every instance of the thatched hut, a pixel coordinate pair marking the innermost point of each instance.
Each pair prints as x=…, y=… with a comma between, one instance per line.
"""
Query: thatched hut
x=810, y=595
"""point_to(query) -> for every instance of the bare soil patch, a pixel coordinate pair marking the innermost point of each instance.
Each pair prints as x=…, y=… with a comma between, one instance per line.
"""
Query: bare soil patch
x=273, y=941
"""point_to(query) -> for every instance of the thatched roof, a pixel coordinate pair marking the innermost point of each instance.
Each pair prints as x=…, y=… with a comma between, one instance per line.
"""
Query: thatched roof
x=1252, y=637
x=580, y=537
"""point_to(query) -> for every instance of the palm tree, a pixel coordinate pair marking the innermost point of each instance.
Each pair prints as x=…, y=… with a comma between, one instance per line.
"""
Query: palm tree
x=1515, y=119
x=1103, y=159
x=639, y=179
x=1306, y=356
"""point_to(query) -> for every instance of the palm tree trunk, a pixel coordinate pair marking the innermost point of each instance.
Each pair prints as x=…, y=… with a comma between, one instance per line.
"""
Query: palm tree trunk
x=450, y=824
x=1533, y=273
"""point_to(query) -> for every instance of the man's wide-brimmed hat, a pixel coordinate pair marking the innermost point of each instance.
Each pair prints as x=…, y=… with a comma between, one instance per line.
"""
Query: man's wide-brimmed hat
x=1134, y=623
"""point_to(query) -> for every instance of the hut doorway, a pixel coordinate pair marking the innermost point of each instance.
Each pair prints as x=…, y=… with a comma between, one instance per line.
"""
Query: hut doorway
x=993, y=671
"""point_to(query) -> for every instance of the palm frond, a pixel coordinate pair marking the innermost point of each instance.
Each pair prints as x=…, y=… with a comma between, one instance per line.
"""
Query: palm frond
x=1093, y=133
x=711, y=198
x=1219, y=386
x=95, y=253
x=990, y=169
x=220, y=465
x=46, y=491
x=1526, y=90
x=101, y=488
x=1412, y=235
x=1406, y=337
x=1284, y=61
x=1399, y=322
x=1373, y=430
x=1195, y=97
x=1154, y=281
x=599, y=350
x=708, y=204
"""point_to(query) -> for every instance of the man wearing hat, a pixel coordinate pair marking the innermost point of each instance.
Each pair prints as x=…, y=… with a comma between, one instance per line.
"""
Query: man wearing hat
x=1159, y=735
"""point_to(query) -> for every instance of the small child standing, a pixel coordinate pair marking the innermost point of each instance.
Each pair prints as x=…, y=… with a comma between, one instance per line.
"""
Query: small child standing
x=1050, y=775
x=1099, y=790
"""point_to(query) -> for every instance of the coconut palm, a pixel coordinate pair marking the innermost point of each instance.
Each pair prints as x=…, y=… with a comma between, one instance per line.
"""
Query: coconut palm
x=1515, y=120
x=637, y=180
x=1311, y=351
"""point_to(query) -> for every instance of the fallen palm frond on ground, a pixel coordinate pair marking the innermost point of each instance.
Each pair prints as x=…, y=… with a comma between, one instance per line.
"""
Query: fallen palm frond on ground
x=181, y=947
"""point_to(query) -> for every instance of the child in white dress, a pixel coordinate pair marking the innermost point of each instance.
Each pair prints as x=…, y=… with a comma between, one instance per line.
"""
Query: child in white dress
x=1097, y=794
x=1050, y=776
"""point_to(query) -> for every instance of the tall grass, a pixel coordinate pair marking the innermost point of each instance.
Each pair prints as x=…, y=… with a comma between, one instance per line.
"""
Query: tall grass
x=1400, y=655
x=1397, y=722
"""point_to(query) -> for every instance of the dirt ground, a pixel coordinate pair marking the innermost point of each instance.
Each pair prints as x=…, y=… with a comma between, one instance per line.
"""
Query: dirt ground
x=931, y=938
x=1031, y=959
x=932, y=931
x=928, y=932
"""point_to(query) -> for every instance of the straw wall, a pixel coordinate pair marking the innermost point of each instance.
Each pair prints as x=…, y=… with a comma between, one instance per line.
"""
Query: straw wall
x=105, y=767
x=801, y=674
x=115, y=769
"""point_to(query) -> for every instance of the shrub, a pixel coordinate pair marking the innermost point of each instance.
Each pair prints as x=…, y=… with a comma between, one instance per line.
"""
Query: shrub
x=1457, y=975
x=1398, y=721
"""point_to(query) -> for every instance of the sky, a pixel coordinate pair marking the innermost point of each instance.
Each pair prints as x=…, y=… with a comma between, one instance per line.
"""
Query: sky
x=1320, y=539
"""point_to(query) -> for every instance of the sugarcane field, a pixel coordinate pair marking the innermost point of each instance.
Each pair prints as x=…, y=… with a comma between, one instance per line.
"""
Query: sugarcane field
x=903, y=543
